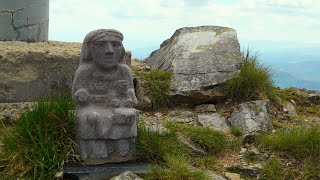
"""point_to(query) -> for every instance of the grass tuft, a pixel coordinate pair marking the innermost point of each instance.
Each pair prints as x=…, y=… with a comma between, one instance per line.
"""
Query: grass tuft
x=299, y=142
x=235, y=131
x=157, y=84
x=36, y=146
x=211, y=141
x=252, y=82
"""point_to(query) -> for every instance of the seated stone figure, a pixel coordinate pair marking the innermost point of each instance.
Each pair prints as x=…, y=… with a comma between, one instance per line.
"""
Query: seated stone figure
x=104, y=95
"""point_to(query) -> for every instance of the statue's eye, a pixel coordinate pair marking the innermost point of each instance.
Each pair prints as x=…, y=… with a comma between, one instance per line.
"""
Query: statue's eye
x=116, y=44
x=99, y=43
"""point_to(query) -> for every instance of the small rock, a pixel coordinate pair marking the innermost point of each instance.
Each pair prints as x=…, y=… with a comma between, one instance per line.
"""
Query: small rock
x=173, y=113
x=289, y=108
x=155, y=127
x=249, y=139
x=127, y=176
x=253, y=150
x=58, y=175
x=147, y=68
x=232, y=176
x=293, y=102
x=214, y=176
x=186, y=114
x=251, y=171
x=203, y=108
x=158, y=114
x=243, y=150
x=184, y=140
x=214, y=121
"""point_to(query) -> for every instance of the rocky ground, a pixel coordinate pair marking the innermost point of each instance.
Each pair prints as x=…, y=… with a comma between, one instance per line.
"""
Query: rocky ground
x=268, y=116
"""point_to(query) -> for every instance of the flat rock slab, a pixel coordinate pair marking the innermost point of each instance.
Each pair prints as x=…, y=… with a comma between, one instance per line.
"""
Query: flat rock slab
x=104, y=171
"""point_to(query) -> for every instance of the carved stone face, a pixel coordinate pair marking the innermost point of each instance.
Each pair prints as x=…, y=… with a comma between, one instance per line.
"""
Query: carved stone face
x=106, y=51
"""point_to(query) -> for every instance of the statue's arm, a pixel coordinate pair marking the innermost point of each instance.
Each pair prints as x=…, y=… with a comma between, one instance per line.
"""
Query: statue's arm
x=131, y=86
x=79, y=88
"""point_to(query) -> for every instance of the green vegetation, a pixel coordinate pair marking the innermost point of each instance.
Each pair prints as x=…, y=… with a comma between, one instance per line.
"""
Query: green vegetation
x=312, y=110
x=208, y=139
x=235, y=131
x=252, y=82
x=171, y=158
x=156, y=84
x=222, y=30
x=272, y=169
x=200, y=47
x=287, y=94
x=40, y=140
x=250, y=157
x=300, y=144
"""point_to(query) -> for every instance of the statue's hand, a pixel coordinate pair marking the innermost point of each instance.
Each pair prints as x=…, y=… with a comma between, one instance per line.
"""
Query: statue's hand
x=133, y=97
x=81, y=96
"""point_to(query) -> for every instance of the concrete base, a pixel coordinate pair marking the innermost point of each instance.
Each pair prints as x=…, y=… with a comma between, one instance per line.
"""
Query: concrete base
x=101, y=172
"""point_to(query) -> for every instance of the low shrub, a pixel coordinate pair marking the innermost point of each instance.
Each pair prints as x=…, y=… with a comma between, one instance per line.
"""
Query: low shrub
x=252, y=82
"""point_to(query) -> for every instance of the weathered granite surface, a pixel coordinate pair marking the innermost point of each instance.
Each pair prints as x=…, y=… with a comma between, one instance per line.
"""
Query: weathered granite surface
x=251, y=117
x=104, y=95
x=200, y=58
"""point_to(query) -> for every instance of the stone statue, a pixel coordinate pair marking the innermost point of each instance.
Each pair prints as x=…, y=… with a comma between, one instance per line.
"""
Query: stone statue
x=104, y=95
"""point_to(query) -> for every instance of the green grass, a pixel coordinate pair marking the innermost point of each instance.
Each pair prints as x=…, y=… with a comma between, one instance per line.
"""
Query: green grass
x=156, y=84
x=39, y=141
x=171, y=159
x=176, y=168
x=312, y=110
x=235, y=131
x=301, y=144
x=252, y=82
x=272, y=169
x=211, y=141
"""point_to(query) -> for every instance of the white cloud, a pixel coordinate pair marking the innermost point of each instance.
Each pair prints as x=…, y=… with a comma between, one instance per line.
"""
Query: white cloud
x=145, y=22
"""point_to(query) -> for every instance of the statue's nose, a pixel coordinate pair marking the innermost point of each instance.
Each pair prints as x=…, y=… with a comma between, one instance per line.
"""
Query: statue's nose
x=109, y=48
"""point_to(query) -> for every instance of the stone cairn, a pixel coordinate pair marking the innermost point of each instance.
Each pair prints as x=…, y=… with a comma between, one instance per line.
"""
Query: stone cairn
x=104, y=95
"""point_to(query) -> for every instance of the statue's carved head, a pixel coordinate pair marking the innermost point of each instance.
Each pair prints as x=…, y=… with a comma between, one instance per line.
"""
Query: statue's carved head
x=103, y=47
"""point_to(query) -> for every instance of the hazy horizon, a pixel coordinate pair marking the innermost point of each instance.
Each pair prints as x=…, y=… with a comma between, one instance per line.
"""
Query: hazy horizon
x=284, y=32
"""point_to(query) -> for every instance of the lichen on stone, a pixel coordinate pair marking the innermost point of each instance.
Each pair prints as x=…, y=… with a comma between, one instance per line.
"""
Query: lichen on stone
x=200, y=47
x=223, y=30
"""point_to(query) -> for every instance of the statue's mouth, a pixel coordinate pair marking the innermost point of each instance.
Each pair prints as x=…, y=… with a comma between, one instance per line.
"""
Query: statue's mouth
x=108, y=57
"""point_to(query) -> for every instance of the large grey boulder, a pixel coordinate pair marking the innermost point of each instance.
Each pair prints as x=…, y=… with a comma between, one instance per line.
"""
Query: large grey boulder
x=251, y=117
x=200, y=58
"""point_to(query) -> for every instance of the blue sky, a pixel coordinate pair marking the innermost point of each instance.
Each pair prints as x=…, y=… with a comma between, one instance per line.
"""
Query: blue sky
x=146, y=23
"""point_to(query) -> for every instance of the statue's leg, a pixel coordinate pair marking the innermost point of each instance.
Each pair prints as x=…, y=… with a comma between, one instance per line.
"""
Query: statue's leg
x=123, y=146
x=98, y=149
x=83, y=149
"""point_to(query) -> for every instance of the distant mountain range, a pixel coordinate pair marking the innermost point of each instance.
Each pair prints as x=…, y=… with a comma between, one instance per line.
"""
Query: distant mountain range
x=293, y=64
